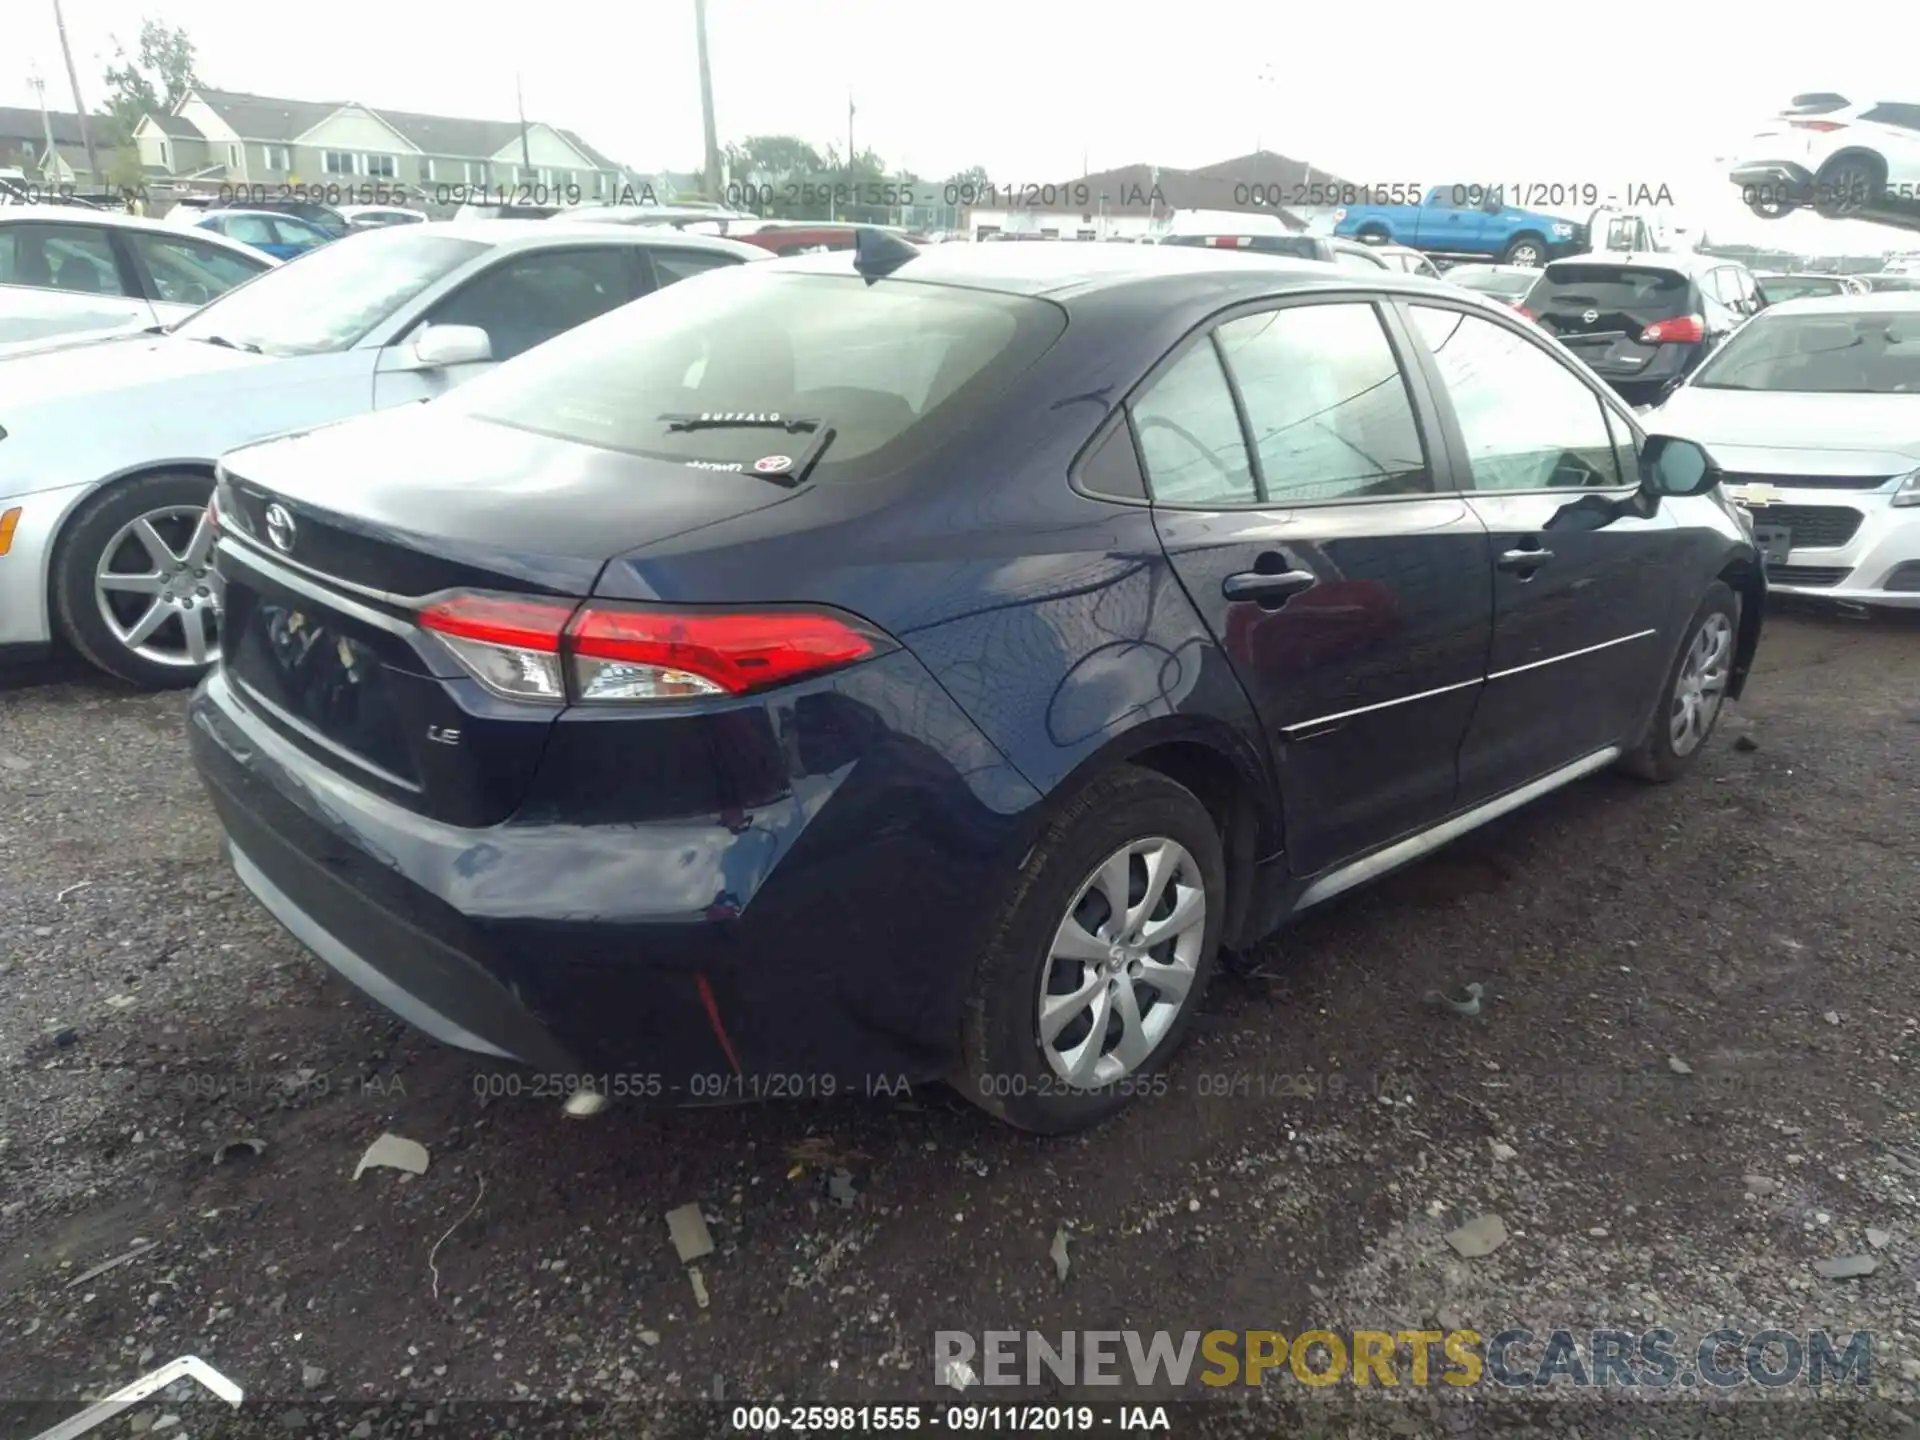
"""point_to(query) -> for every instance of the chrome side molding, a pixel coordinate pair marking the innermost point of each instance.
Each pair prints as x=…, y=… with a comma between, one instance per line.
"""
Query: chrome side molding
x=1402, y=852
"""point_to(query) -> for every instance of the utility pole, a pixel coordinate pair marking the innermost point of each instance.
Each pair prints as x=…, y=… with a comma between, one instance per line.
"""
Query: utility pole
x=79, y=105
x=46, y=120
x=710, y=169
x=526, y=153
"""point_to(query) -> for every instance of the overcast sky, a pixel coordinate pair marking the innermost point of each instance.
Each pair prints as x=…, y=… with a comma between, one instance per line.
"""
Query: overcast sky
x=1032, y=88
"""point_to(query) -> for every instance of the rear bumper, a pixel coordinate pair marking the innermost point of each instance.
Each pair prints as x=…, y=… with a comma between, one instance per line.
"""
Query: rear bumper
x=823, y=940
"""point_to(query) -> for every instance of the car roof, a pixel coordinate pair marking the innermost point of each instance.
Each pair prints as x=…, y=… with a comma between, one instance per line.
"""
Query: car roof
x=226, y=211
x=1493, y=269
x=517, y=233
x=1873, y=303
x=1073, y=270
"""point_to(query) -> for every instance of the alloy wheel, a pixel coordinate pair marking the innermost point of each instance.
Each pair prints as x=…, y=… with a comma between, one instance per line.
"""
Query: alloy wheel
x=1525, y=256
x=1702, y=684
x=157, y=589
x=1123, y=962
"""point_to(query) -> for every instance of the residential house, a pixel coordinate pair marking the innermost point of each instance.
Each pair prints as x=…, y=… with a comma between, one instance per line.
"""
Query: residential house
x=227, y=137
x=23, y=146
x=1136, y=201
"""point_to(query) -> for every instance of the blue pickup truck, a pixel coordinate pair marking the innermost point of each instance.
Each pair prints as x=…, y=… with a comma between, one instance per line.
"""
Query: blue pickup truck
x=1466, y=220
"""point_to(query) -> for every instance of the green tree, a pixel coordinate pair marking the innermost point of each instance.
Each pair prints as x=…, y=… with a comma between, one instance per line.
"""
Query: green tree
x=150, y=82
x=771, y=175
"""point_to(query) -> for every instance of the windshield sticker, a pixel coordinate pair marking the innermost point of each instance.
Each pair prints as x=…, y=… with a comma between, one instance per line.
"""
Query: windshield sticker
x=733, y=468
x=773, y=465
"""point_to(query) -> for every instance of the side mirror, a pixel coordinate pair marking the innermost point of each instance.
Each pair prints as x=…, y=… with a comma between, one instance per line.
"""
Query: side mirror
x=439, y=346
x=1670, y=466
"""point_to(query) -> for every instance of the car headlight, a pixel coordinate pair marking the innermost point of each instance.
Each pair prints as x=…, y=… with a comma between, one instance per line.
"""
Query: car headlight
x=1909, y=491
x=1563, y=232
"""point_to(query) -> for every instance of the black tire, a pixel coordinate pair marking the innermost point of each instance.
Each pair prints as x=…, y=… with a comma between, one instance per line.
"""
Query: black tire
x=1004, y=1068
x=1848, y=184
x=1655, y=758
x=1524, y=242
x=1372, y=235
x=77, y=559
x=1772, y=207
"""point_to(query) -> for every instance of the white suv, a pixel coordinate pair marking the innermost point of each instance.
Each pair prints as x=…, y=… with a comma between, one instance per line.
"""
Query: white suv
x=1838, y=155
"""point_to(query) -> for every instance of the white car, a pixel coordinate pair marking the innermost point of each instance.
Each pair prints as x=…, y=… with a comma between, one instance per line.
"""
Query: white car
x=1813, y=410
x=1838, y=155
x=378, y=217
x=107, y=451
x=66, y=270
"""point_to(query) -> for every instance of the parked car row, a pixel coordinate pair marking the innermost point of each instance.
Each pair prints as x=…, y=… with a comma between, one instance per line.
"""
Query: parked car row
x=919, y=660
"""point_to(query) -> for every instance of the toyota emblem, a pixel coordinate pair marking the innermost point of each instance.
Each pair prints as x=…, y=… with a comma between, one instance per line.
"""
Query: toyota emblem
x=280, y=527
x=1590, y=316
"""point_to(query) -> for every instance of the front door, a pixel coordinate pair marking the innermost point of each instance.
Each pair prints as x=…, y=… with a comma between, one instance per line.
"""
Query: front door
x=1583, y=576
x=1452, y=221
x=1301, y=508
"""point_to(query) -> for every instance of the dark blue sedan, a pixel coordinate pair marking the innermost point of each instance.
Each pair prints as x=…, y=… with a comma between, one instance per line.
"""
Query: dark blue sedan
x=923, y=664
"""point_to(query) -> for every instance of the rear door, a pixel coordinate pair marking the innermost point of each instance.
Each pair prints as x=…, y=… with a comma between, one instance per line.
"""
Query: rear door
x=57, y=278
x=1581, y=583
x=1599, y=309
x=1300, y=492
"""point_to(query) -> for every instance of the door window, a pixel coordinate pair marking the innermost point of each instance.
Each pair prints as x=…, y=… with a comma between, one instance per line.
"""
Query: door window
x=59, y=257
x=247, y=229
x=530, y=298
x=189, y=272
x=1528, y=421
x=290, y=231
x=672, y=265
x=1326, y=404
x=1190, y=436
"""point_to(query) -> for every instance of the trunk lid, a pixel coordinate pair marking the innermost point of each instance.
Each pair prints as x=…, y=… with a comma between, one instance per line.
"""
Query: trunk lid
x=331, y=540
x=1599, y=310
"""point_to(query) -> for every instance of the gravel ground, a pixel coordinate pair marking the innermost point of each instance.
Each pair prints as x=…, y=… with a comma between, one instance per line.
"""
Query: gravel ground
x=1684, y=987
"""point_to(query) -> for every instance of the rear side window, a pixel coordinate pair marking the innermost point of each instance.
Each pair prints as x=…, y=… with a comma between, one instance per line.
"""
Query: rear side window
x=1326, y=404
x=1190, y=436
x=890, y=369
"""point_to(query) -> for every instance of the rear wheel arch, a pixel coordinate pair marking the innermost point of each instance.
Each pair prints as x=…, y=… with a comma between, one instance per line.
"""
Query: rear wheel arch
x=1221, y=772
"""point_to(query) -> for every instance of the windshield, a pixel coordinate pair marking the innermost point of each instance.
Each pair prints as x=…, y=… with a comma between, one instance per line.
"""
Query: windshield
x=890, y=369
x=1493, y=282
x=1856, y=353
x=334, y=296
x=1613, y=291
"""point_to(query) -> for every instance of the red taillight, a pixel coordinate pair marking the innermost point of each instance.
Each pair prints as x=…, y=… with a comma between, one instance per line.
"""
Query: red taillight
x=491, y=620
x=1230, y=242
x=1825, y=127
x=535, y=649
x=1522, y=311
x=1682, y=330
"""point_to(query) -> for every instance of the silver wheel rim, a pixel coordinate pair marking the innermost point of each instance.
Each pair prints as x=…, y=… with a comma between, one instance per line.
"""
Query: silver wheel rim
x=1122, y=962
x=156, y=587
x=1854, y=183
x=1702, y=684
x=1526, y=257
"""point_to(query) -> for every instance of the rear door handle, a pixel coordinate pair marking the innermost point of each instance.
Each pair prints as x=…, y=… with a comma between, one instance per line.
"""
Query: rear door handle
x=1524, y=559
x=1268, y=589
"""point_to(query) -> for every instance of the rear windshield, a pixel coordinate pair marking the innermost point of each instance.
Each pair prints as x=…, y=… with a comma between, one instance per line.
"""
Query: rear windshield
x=1645, y=295
x=1870, y=353
x=1775, y=288
x=891, y=368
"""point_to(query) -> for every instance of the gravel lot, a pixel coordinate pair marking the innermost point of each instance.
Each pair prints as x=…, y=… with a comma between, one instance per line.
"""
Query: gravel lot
x=1757, y=923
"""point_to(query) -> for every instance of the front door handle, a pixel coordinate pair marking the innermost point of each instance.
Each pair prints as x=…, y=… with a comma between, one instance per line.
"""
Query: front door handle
x=1524, y=560
x=1268, y=589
